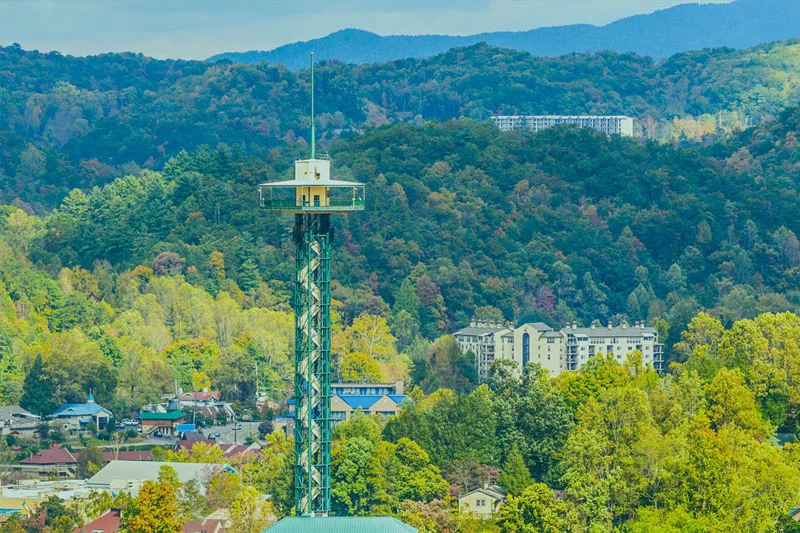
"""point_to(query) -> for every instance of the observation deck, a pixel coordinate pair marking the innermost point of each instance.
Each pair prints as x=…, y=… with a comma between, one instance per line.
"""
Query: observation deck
x=312, y=191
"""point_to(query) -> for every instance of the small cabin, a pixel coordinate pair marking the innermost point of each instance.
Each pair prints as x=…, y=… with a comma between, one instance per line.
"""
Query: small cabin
x=312, y=191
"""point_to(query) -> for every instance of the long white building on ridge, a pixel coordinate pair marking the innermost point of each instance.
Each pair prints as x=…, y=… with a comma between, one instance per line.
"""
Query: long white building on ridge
x=610, y=125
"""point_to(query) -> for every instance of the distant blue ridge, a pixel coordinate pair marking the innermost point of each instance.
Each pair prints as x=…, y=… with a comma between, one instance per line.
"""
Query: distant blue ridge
x=681, y=28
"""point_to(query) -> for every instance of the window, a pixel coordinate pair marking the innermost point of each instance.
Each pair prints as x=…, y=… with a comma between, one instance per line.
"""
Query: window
x=551, y=340
x=316, y=200
x=526, y=348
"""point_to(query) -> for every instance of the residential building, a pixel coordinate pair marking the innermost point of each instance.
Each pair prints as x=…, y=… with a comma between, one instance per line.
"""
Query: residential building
x=53, y=461
x=78, y=415
x=228, y=450
x=207, y=404
x=15, y=418
x=584, y=343
x=368, y=389
x=163, y=424
x=196, y=399
x=206, y=525
x=539, y=343
x=129, y=476
x=610, y=125
x=557, y=351
x=484, y=501
x=343, y=407
x=27, y=494
x=131, y=455
x=486, y=342
x=108, y=522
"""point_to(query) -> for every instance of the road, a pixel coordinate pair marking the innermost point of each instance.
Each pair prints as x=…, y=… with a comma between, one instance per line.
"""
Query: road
x=227, y=433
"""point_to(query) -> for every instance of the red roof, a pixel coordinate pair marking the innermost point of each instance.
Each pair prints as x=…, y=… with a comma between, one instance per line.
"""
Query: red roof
x=107, y=523
x=54, y=455
x=228, y=450
x=208, y=525
x=135, y=455
x=238, y=449
x=199, y=396
x=187, y=444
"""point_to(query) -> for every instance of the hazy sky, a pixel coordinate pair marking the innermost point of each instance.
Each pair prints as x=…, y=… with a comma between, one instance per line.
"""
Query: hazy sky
x=196, y=29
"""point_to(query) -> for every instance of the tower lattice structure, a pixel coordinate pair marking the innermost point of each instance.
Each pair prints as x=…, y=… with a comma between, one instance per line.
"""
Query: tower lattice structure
x=312, y=196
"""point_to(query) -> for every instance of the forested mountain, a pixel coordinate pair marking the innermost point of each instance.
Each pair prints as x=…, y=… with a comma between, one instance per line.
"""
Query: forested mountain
x=70, y=122
x=134, y=257
x=564, y=225
x=738, y=24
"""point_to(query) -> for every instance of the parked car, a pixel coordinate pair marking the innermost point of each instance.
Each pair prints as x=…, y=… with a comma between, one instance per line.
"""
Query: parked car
x=214, y=435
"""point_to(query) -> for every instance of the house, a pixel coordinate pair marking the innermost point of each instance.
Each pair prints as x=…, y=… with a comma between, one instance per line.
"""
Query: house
x=216, y=522
x=15, y=418
x=54, y=460
x=484, y=501
x=342, y=407
x=228, y=450
x=207, y=404
x=132, y=455
x=338, y=524
x=196, y=399
x=205, y=526
x=162, y=424
x=129, y=476
x=108, y=522
x=78, y=415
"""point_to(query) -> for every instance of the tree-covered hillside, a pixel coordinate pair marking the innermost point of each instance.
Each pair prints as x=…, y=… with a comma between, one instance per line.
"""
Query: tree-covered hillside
x=70, y=122
x=564, y=225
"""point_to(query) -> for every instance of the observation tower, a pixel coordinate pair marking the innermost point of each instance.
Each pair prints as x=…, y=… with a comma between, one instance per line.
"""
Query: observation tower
x=312, y=197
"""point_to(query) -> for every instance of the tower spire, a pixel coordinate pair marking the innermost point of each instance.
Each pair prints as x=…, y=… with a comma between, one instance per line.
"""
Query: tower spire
x=313, y=128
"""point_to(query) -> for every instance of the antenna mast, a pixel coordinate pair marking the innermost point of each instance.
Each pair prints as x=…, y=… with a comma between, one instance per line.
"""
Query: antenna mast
x=313, y=128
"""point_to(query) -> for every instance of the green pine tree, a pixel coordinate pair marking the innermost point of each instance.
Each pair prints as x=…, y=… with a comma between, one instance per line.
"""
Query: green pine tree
x=249, y=277
x=37, y=390
x=406, y=299
x=515, y=476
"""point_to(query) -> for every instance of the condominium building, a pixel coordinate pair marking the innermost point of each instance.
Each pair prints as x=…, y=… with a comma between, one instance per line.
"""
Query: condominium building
x=584, y=343
x=539, y=343
x=557, y=351
x=610, y=125
x=486, y=342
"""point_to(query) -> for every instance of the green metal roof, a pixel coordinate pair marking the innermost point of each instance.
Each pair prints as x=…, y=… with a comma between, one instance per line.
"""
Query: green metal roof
x=172, y=415
x=340, y=524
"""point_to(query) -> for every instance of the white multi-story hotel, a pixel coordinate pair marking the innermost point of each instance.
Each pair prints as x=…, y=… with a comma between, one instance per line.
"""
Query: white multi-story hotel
x=610, y=125
x=486, y=342
x=557, y=351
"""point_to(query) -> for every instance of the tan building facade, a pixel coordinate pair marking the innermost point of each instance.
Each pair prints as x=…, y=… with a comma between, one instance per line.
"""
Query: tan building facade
x=556, y=351
x=483, y=502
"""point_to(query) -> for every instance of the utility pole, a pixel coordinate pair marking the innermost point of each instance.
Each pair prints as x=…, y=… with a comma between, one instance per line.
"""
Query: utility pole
x=312, y=197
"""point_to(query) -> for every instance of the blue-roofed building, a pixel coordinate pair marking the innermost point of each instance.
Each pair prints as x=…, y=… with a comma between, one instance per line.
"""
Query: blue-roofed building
x=78, y=415
x=342, y=407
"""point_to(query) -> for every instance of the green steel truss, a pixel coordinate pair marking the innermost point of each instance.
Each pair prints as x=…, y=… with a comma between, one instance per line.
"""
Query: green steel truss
x=312, y=381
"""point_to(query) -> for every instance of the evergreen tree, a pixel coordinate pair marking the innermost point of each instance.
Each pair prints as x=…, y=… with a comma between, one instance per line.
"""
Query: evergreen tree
x=406, y=299
x=37, y=390
x=249, y=277
x=515, y=476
